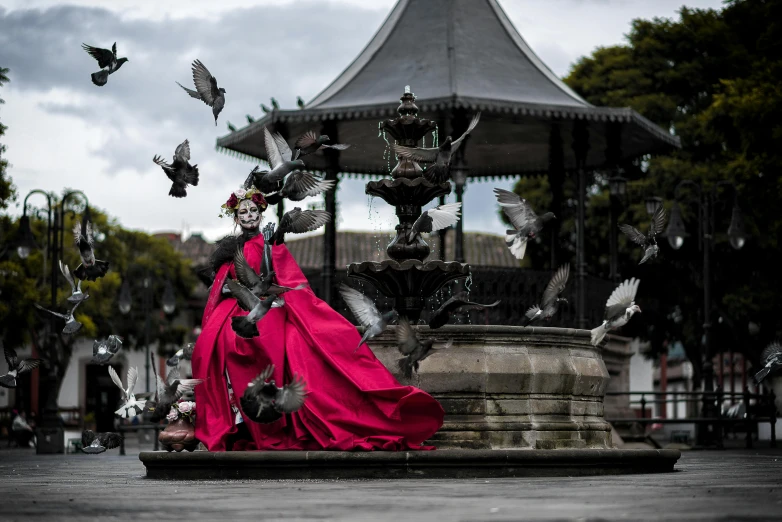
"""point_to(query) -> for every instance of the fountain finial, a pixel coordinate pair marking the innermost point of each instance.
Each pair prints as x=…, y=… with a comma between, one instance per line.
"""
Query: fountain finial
x=407, y=106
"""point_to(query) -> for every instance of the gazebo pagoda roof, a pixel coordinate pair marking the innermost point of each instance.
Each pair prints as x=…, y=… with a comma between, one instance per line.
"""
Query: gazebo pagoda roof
x=456, y=55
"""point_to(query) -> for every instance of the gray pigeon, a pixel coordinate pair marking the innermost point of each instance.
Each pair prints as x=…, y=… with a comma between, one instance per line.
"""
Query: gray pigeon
x=366, y=313
x=298, y=221
x=265, y=109
x=275, y=105
x=434, y=219
x=526, y=223
x=310, y=142
x=551, y=300
x=206, y=89
x=280, y=159
x=90, y=268
x=299, y=102
x=259, y=286
x=16, y=367
x=264, y=402
x=168, y=392
x=107, y=61
x=649, y=243
x=620, y=307
x=460, y=301
x=439, y=157
x=250, y=119
x=246, y=325
x=180, y=172
x=185, y=353
x=231, y=126
x=93, y=443
x=77, y=295
x=103, y=351
x=771, y=359
x=412, y=347
x=71, y=324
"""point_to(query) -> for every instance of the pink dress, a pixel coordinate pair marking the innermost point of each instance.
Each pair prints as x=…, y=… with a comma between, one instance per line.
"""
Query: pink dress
x=354, y=403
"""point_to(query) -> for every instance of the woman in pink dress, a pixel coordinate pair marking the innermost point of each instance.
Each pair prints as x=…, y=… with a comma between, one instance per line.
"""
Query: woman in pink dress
x=353, y=401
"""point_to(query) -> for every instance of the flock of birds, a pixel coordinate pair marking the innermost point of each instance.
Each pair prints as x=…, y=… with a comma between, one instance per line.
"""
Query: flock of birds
x=257, y=293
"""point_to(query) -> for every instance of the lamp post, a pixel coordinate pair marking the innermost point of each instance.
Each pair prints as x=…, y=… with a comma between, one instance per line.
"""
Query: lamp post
x=706, y=202
x=617, y=188
x=167, y=303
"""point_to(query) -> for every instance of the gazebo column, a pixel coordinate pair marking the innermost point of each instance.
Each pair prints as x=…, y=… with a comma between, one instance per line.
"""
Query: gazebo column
x=441, y=235
x=459, y=177
x=556, y=181
x=330, y=232
x=580, y=148
x=613, y=158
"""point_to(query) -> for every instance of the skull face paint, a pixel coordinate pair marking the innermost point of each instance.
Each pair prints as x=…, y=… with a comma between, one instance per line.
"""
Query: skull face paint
x=248, y=215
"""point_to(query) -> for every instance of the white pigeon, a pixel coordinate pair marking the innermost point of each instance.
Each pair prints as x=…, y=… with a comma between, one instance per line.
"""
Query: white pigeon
x=131, y=406
x=620, y=307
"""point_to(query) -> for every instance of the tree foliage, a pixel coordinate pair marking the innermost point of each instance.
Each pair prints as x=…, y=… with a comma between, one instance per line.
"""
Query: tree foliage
x=7, y=189
x=715, y=78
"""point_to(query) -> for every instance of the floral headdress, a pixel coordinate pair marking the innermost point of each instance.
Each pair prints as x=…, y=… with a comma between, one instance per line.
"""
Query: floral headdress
x=230, y=206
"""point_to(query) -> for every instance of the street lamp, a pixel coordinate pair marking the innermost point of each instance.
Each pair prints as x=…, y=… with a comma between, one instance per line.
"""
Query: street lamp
x=706, y=201
x=125, y=301
x=168, y=301
x=26, y=242
x=652, y=204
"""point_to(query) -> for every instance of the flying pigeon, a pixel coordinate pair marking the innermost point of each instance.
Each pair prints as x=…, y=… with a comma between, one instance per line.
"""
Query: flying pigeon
x=458, y=301
x=770, y=358
x=206, y=89
x=310, y=142
x=620, y=307
x=299, y=102
x=92, y=442
x=298, y=221
x=130, y=405
x=649, y=243
x=275, y=105
x=90, y=268
x=440, y=157
x=185, y=353
x=250, y=119
x=107, y=61
x=434, y=219
x=180, y=172
x=103, y=351
x=71, y=324
x=297, y=186
x=526, y=223
x=16, y=367
x=551, y=300
x=77, y=296
x=259, y=286
x=264, y=402
x=412, y=347
x=366, y=313
x=168, y=392
x=246, y=325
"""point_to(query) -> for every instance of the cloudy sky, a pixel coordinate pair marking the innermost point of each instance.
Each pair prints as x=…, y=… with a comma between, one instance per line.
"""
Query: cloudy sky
x=66, y=132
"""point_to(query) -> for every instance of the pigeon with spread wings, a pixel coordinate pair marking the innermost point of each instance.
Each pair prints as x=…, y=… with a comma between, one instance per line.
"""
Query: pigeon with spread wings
x=130, y=405
x=551, y=300
x=310, y=142
x=103, y=351
x=771, y=359
x=264, y=402
x=246, y=325
x=620, y=307
x=16, y=367
x=170, y=391
x=206, y=89
x=439, y=157
x=414, y=349
x=93, y=443
x=107, y=61
x=434, y=219
x=71, y=324
x=77, y=296
x=180, y=172
x=90, y=268
x=524, y=220
x=366, y=313
x=649, y=243
x=298, y=221
x=459, y=301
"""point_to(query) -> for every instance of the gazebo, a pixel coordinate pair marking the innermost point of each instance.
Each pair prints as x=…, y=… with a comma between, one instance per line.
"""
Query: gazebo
x=460, y=57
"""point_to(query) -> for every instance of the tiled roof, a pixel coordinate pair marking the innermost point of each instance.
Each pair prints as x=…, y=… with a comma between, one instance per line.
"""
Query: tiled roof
x=479, y=249
x=195, y=248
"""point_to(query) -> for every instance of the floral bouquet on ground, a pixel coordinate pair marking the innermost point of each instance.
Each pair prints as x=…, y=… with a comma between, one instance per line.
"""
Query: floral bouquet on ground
x=180, y=433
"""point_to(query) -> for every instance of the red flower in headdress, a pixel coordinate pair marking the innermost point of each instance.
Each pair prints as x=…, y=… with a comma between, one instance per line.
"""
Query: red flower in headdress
x=232, y=201
x=259, y=200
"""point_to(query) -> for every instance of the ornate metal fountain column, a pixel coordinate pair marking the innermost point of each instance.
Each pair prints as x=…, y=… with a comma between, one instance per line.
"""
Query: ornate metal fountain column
x=406, y=277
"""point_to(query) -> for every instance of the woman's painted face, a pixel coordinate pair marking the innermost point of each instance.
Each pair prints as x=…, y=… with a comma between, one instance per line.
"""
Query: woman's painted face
x=249, y=215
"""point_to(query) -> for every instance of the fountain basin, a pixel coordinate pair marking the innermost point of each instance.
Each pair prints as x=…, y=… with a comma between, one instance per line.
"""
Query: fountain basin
x=511, y=387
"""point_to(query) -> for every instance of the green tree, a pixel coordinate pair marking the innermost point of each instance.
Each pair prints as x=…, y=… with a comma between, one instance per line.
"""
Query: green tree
x=130, y=253
x=7, y=189
x=715, y=78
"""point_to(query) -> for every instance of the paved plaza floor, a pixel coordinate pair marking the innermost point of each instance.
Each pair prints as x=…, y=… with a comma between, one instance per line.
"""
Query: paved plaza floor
x=708, y=485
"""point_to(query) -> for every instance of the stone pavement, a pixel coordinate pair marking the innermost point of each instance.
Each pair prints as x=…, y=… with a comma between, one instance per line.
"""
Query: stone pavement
x=709, y=485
